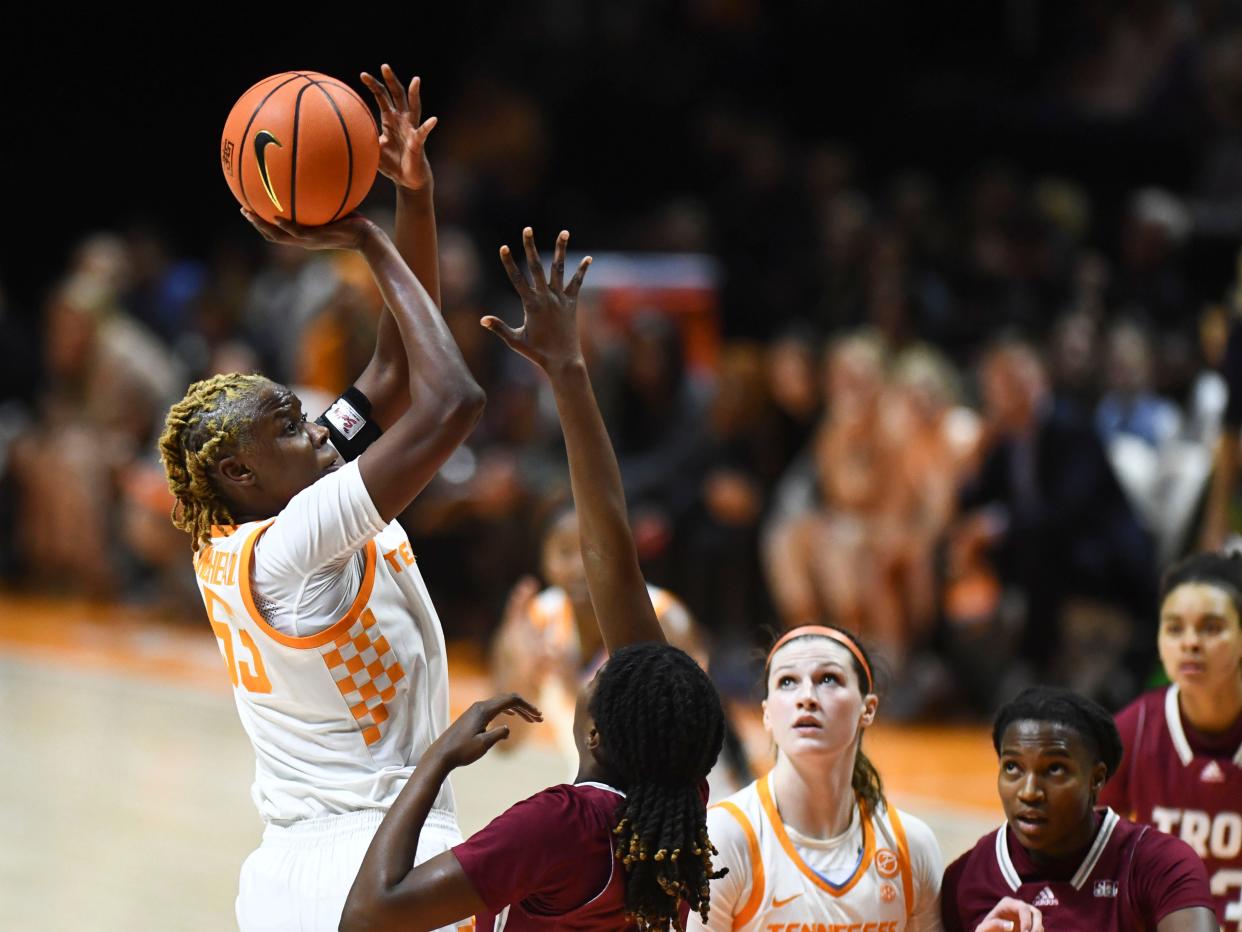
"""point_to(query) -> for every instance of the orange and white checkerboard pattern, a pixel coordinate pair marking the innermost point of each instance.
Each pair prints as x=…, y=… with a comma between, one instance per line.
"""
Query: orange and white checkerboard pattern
x=366, y=672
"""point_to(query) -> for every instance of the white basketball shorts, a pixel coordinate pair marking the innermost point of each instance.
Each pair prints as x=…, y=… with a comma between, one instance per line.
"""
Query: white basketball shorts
x=298, y=877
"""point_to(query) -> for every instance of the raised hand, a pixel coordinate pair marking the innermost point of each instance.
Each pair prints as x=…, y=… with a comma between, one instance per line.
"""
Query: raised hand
x=468, y=738
x=403, y=132
x=348, y=233
x=548, y=336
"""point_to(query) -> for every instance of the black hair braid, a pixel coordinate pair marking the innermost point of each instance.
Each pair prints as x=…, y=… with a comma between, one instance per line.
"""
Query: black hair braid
x=662, y=727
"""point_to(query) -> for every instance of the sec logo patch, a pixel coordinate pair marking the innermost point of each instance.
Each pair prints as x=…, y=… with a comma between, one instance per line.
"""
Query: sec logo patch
x=888, y=892
x=886, y=863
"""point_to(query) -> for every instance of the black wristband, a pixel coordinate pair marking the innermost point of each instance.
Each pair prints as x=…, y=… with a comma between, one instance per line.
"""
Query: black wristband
x=349, y=424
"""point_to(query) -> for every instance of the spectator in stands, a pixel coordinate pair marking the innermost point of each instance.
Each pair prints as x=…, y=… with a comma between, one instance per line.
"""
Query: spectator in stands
x=1047, y=510
x=1130, y=406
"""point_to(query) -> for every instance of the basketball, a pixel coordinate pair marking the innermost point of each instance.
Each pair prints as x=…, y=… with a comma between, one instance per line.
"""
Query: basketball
x=300, y=146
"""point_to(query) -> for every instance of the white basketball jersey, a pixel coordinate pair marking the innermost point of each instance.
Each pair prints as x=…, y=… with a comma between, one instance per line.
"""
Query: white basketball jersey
x=338, y=718
x=784, y=892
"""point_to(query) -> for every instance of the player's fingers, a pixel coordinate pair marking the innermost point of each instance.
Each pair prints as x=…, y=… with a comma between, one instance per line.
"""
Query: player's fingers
x=511, y=337
x=512, y=702
x=395, y=90
x=489, y=738
x=414, y=99
x=558, y=261
x=532, y=260
x=288, y=226
x=379, y=92
x=516, y=705
x=424, y=130
x=516, y=277
x=575, y=284
x=268, y=231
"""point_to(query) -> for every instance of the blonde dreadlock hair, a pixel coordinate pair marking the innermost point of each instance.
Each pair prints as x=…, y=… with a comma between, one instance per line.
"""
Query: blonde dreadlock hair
x=662, y=725
x=211, y=422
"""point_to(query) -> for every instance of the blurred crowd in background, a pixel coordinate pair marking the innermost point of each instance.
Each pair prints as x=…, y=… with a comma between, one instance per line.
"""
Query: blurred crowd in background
x=966, y=409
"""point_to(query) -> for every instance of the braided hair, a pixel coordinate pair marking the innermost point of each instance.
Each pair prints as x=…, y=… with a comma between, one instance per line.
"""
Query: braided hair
x=662, y=726
x=211, y=422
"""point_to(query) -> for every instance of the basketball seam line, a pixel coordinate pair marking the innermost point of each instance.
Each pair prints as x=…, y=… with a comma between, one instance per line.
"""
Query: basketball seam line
x=349, y=147
x=293, y=172
x=241, y=174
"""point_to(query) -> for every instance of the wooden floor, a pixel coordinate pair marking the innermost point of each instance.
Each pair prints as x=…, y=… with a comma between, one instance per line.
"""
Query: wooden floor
x=125, y=776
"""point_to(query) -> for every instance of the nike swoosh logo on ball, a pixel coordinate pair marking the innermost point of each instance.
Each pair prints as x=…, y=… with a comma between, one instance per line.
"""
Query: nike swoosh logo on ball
x=262, y=139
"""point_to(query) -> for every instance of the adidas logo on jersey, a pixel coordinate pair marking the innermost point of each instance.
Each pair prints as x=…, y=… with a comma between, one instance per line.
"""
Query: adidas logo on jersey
x=1106, y=888
x=1046, y=898
x=1212, y=773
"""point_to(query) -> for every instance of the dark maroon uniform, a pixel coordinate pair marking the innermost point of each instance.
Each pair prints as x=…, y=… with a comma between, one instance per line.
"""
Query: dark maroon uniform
x=1129, y=879
x=1187, y=784
x=547, y=863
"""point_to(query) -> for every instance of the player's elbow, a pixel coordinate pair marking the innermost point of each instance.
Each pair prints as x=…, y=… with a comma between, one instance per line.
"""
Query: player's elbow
x=354, y=919
x=461, y=407
x=470, y=400
x=361, y=916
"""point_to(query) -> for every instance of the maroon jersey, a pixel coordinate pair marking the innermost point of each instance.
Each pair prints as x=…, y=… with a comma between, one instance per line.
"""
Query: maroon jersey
x=547, y=863
x=1188, y=785
x=1129, y=879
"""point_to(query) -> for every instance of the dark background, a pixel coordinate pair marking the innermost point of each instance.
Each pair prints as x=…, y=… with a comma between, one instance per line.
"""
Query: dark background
x=116, y=118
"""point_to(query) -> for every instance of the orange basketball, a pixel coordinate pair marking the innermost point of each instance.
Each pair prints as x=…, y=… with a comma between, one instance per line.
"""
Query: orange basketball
x=300, y=146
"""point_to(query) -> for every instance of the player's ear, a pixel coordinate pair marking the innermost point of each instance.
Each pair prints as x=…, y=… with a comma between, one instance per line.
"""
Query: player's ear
x=234, y=471
x=871, y=704
x=595, y=746
x=1099, y=774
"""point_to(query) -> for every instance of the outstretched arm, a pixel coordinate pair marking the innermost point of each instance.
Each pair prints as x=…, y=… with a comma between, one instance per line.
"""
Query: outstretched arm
x=390, y=894
x=444, y=400
x=548, y=337
x=403, y=158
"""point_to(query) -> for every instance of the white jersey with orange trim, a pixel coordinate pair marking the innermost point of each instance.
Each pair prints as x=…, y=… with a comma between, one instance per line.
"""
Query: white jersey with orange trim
x=880, y=875
x=337, y=717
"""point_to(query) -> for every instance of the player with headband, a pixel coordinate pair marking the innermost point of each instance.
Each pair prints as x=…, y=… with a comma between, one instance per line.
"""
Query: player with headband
x=815, y=843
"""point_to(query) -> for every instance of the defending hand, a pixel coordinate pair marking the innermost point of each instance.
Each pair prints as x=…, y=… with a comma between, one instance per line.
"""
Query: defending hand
x=548, y=336
x=469, y=738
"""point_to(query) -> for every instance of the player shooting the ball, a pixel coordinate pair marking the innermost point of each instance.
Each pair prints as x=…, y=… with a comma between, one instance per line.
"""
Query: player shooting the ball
x=333, y=646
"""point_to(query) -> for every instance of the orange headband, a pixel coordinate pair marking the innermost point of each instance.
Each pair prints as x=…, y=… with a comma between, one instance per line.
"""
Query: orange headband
x=839, y=636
